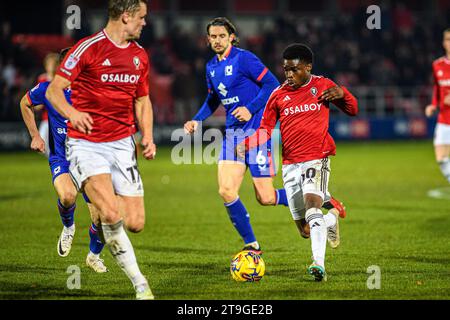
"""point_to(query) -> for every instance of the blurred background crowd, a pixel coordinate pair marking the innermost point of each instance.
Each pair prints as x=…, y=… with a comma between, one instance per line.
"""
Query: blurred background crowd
x=389, y=69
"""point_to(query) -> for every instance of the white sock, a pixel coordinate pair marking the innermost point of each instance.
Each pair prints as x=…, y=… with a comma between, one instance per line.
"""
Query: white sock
x=122, y=250
x=330, y=219
x=93, y=254
x=254, y=244
x=445, y=168
x=315, y=219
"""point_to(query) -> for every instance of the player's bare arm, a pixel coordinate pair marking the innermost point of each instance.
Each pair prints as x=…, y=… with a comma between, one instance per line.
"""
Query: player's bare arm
x=144, y=117
x=190, y=126
x=331, y=94
x=242, y=113
x=37, y=143
x=81, y=121
x=430, y=110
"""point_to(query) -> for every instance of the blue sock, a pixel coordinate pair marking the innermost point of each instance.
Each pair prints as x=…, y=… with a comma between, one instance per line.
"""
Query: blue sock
x=86, y=198
x=66, y=214
x=281, y=197
x=96, y=246
x=241, y=220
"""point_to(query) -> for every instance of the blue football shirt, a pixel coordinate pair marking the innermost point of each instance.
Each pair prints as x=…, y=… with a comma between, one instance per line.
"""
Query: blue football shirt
x=57, y=123
x=240, y=79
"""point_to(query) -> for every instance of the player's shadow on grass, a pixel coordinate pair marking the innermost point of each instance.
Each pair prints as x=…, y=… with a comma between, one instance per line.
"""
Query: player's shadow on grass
x=18, y=268
x=22, y=195
x=173, y=250
x=425, y=259
x=19, y=291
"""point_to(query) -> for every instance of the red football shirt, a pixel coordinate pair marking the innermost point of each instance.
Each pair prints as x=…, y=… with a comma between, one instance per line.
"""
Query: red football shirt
x=441, y=88
x=105, y=81
x=303, y=120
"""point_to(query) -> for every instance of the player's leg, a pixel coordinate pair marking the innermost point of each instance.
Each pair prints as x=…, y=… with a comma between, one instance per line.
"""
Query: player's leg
x=441, y=144
x=331, y=203
x=442, y=153
x=100, y=191
x=133, y=212
x=67, y=195
x=230, y=176
x=96, y=245
x=261, y=165
x=315, y=176
x=292, y=185
x=266, y=194
x=91, y=166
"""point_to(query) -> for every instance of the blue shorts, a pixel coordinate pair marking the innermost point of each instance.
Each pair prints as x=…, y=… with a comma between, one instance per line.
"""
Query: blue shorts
x=58, y=166
x=259, y=160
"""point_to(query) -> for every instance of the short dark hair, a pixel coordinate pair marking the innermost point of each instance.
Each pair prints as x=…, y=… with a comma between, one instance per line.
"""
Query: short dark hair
x=298, y=51
x=224, y=22
x=117, y=7
x=63, y=53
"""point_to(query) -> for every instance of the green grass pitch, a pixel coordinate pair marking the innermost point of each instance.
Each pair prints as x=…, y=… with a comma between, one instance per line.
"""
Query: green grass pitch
x=188, y=241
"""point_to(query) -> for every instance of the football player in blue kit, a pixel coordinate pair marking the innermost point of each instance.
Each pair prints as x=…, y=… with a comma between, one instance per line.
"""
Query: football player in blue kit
x=238, y=80
x=59, y=167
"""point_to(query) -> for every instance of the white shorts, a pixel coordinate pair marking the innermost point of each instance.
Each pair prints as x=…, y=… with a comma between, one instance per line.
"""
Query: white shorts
x=441, y=134
x=302, y=178
x=117, y=158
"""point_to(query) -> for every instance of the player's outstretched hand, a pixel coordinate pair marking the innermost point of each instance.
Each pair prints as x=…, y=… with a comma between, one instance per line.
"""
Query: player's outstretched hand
x=430, y=110
x=149, y=151
x=240, y=151
x=38, y=144
x=331, y=94
x=242, y=114
x=81, y=121
x=190, y=127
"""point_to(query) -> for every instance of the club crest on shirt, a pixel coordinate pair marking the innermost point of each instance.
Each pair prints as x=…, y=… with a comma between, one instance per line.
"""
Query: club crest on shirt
x=71, y=62
x=229, y=70
x=136, y=62
x=313, y=91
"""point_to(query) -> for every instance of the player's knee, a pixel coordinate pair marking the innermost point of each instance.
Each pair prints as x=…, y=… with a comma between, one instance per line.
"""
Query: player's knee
x=228, y=194
x=109, y=214
x=68, y=197
x=266, y=199
x=136, y=225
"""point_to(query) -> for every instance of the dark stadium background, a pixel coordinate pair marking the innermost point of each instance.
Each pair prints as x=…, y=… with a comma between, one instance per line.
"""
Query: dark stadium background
x=389, y=70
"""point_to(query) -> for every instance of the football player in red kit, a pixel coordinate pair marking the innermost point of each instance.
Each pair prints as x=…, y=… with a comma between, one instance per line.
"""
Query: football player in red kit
x=108, y=75
x=302, y=105
x=441, y=103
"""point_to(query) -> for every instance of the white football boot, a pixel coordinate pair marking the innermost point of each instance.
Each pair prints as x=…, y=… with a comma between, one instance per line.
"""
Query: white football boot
x=94, y=262
x=143, y=292
x=65, y=241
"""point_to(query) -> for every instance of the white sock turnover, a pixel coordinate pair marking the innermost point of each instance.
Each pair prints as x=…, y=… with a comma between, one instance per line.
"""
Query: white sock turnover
x=122, y=250
x=315, y=219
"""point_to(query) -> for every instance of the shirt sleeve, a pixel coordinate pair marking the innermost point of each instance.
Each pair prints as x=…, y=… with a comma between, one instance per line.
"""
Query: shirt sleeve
x=435, y=96
x=348, y=103
x=143, y=84
x=36, y=96
x=268, y=122
x=75, y=60
x=260, y=74
x=211, y=103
